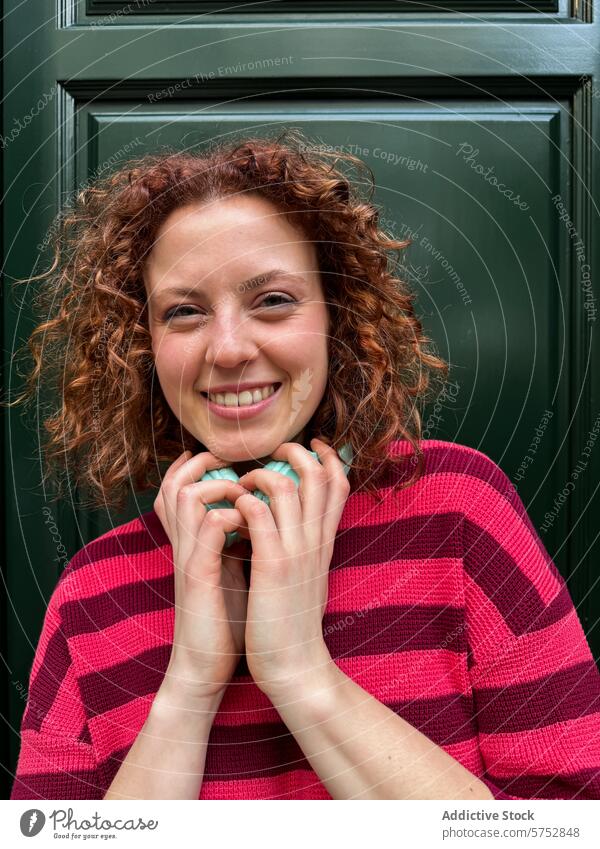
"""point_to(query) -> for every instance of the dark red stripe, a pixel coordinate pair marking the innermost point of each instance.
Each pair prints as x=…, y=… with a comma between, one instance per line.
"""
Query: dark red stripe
x=417, y=537
x=84, y=784
x=515, y=597
x=584, y=784
x=252, y=751
x=444, y=719
x=395, y=628
x=263, y=750
x=84, y=735
x=485, y=470
x=116, y=685
x=455, y=459
x=94, y=613
x=150, y=536
x=380, y=631
x=236, y=753
x=50, y=675
x=497, y=792
x=557, y=697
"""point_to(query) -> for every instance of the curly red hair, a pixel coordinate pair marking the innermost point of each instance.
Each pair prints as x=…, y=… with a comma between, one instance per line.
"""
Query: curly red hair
x=92, y=350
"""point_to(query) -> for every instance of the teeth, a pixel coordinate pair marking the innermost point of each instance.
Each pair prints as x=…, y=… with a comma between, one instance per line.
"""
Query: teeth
x=244, y=399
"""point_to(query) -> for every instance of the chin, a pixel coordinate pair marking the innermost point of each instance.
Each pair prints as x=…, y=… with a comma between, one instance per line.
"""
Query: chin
x=237, y=455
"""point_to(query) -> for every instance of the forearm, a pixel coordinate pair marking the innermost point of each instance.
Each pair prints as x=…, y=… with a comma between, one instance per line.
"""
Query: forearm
x=360, y=749
x=167, y=758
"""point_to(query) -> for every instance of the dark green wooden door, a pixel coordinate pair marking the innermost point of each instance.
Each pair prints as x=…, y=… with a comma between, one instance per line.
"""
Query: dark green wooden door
x=478, y=124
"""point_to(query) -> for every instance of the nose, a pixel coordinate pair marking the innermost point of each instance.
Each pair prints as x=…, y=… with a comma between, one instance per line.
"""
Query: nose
x=230, y=340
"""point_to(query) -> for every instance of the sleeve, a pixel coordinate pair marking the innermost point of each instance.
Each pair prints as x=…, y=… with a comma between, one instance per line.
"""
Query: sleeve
x=534, y=681
x=56, y=758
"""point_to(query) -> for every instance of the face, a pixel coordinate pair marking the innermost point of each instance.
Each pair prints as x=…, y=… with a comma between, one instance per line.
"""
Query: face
x=249, y=309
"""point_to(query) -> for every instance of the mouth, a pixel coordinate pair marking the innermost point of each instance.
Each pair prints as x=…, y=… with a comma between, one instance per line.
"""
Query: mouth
x=233, y=411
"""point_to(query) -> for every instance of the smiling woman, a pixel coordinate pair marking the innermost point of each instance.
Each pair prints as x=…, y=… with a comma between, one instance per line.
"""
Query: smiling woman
x=159, y=260
x=217, y=330
x=419, y=644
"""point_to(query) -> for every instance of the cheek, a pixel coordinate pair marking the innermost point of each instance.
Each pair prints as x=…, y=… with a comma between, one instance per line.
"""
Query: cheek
x=174, y=364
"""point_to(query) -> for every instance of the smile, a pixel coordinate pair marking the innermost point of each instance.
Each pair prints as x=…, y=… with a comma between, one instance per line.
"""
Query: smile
x=244, y=409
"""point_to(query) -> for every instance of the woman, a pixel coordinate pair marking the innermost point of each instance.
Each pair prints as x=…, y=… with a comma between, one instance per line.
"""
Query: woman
x=419, y=644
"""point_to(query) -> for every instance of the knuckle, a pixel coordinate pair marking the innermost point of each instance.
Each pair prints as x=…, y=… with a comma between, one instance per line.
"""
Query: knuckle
x=345, y=485
x=285, y=486
x=165, y=490
x=212, y=519
x=185, y=492
x=257, y=507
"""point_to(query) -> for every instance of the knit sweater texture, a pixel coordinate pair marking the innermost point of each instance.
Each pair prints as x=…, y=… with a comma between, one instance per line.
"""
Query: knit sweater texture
x=443, y=604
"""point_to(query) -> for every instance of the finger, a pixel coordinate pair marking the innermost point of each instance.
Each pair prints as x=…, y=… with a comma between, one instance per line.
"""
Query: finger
x=192, y=512
x=264, y=536
x=338, y=490
x=159, y=503
x=312, y=490
x=284, y=503
x=205, y=561
x=190, y=470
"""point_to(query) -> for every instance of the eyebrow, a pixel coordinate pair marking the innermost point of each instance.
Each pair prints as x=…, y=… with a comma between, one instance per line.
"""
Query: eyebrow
x=257, y=282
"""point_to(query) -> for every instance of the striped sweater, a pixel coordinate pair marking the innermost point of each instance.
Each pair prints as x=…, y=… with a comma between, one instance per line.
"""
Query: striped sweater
x=443, y=604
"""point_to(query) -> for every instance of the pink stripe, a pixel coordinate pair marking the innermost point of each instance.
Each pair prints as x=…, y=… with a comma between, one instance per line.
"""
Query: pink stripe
x=467, y=753
x=244, y=704
x=51, y=625
x=429, y=582
x=407, y=675
x=299, y=784
x=389, y=678
x=549, y=650
x=105, y=575
x=120, y=642
x=41, y=753
x=491, y=512
x=563, y=747
x=66, y=716
x=487, y=627
x=432, y=493
x=121, y=725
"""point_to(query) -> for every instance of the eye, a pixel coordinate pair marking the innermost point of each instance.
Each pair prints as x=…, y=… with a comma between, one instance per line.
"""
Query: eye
x=275, y=295
x=176, y=311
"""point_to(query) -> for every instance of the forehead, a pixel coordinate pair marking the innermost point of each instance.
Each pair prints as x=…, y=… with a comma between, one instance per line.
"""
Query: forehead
x=232, y=239
x=210, y=223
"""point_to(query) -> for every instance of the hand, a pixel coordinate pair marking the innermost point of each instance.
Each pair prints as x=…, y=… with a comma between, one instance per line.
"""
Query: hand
x=292, y=544
x=210, y=588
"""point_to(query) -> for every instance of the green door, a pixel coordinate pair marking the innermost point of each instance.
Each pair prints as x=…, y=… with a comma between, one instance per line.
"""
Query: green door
x=478, y=124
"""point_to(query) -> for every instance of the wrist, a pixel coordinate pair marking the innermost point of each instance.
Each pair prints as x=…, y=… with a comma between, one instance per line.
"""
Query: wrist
x=318, y=685
x=175, y=698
